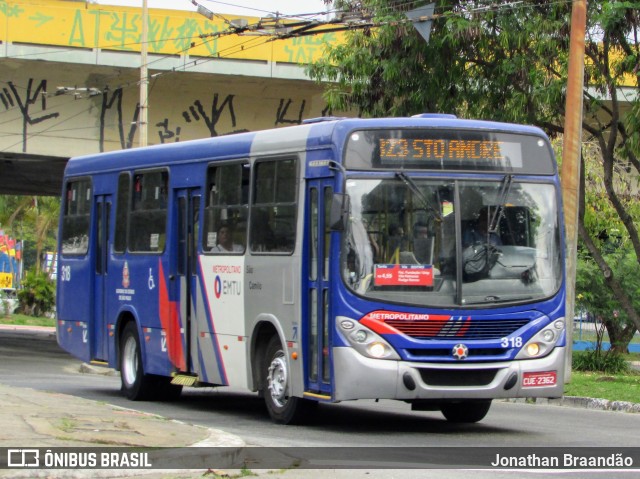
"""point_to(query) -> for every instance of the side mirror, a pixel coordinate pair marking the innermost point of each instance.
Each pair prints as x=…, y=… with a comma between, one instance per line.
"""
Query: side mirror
x=339, y=214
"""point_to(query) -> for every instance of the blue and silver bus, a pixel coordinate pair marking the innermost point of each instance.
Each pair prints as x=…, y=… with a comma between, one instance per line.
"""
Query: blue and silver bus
x=418, y=259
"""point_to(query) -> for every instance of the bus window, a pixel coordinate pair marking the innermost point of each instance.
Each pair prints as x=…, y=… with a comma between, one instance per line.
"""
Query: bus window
x=122, y=213
x=149, y=212
x=227, y=202
x=508, y=239
x=76, y=215
x=273, y=212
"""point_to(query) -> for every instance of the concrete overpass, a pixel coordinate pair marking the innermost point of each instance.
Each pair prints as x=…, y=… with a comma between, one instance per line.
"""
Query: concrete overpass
x=69, y=83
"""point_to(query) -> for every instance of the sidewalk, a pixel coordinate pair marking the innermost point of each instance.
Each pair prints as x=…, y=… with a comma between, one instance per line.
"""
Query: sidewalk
x=36, y=419
x=30, y=418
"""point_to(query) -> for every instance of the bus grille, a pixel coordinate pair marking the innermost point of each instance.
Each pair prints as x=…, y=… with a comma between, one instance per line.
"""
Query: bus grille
x=454, y=377
x=458, y=328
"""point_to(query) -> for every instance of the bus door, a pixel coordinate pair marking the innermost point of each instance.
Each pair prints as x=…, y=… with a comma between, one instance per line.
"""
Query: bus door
x=185, y=259
x=318, y=327
x=101, y=247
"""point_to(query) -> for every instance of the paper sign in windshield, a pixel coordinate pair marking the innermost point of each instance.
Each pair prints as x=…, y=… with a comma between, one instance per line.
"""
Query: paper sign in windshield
x=403, y=275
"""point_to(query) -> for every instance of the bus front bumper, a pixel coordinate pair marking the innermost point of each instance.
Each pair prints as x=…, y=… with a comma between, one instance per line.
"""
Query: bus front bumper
x=359, y=377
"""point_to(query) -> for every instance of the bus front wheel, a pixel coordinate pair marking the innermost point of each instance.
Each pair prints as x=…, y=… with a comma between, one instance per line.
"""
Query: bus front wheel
x=283, y=409
x=466, y=411
x=136, y=385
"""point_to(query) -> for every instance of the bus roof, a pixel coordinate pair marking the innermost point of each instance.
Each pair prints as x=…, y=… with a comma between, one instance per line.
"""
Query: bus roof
x=314, y=134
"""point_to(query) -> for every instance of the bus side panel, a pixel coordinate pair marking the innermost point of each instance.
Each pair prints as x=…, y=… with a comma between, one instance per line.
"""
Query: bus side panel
x=74, y=305
x=138, y=283
x=221, y=331
x=272, y=284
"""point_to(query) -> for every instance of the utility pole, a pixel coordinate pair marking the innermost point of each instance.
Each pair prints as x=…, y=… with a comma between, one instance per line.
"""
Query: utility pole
x=570, y=173
x=144, y=75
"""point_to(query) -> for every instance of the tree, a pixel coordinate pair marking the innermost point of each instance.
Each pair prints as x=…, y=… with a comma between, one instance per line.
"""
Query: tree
x=45, y=216
x=504, y=62
x=38, y=220
x=605, y=227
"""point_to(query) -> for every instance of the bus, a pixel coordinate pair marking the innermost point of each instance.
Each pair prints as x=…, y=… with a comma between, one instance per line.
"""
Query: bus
x=419, y=259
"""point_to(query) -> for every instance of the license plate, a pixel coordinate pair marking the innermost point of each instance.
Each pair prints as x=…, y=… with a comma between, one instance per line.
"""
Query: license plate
x=534, y=380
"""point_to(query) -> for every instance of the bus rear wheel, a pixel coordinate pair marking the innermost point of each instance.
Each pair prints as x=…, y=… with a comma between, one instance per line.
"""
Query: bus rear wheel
x=466, y=411
x=283, y=409
x=136, y=385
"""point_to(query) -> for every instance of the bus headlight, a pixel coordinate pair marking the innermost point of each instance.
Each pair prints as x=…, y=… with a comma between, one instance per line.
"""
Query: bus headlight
x=377, y=350
x=543, y=342
x=533, y=349
x=365, y=341
x=359, y=335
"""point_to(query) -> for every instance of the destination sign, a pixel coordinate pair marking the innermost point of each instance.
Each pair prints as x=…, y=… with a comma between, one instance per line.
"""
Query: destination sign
x=448, y=149
x=402, y=148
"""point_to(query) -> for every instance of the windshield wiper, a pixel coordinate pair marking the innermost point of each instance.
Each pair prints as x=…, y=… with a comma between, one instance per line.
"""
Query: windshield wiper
x=505, y=188
x=416, y=191
x=497, y=299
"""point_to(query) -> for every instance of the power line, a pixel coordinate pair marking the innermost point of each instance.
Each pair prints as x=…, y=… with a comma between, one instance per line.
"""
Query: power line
x=283, y=30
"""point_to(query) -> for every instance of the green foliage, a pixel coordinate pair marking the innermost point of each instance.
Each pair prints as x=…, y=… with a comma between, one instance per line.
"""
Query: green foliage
x=608, y=232
x=614, y=388
x=591, y=293
x=476, y=58
x=33, y=220
x=600, y=361
x=24, y=320
x=37, y=296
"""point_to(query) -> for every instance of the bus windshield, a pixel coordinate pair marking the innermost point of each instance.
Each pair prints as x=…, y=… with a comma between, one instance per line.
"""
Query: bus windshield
x=452, y=243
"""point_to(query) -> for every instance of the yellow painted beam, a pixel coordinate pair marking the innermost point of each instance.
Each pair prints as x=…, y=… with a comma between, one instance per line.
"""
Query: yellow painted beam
x=171, y=32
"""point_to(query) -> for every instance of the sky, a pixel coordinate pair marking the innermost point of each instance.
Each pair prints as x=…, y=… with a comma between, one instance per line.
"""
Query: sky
x=250, y=8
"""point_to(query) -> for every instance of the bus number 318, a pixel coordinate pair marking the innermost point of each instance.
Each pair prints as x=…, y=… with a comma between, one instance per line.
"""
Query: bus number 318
x=511, y=342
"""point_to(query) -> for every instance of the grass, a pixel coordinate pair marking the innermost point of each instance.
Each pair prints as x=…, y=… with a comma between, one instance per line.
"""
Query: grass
x=23, y=320
x=624, y=387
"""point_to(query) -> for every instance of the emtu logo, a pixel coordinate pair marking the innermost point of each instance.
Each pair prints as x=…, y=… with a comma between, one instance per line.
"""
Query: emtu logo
x=226, y=287
x=217, y=287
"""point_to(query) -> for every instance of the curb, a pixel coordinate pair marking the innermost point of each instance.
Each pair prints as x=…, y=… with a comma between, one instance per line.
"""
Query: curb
x=23, y=330
x=583, y=403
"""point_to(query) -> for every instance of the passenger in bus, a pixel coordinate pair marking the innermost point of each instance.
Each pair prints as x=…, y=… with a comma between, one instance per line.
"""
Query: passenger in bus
x=397, y=240
x=478, y=231
x=423, y=243
x=224, y=241
x=262, y=237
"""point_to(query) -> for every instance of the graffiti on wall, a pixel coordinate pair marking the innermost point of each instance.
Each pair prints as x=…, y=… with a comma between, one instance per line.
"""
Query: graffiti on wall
x=116, y=116
x=112, y=101
x=197, y=112
x=24, y=98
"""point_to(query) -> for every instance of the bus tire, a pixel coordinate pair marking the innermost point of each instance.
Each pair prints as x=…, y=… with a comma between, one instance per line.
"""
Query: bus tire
x=466, y=411
x=135, y=384
x=283, y=409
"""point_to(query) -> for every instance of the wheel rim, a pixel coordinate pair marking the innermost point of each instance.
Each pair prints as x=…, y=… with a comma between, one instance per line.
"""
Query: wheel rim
x=130, y=361
x=277, y=379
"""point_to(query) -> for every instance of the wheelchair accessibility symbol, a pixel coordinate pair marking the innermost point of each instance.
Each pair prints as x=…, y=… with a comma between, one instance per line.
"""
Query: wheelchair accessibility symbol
x=151, y=281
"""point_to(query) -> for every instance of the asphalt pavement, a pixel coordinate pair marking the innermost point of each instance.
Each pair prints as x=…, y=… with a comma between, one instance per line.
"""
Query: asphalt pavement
x=31, y=418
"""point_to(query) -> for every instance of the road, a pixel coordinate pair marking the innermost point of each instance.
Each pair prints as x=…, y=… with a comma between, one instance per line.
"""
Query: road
x=39, y=363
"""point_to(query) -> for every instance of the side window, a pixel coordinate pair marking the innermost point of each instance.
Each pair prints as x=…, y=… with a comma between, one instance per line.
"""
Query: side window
x=76, y=217
x=273, y=211
x=148, y=217
x=226, y=208
x=122, y=213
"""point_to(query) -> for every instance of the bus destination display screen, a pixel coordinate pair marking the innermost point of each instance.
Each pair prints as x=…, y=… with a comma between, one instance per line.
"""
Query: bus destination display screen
x=448, y=150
